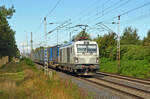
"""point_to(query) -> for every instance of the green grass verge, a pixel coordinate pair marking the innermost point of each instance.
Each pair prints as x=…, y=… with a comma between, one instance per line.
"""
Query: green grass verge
x=28, y=61
x=11, y=67
x=134, y=68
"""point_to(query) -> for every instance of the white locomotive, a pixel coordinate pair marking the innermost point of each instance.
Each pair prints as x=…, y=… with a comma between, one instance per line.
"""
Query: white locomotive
x=81, y=57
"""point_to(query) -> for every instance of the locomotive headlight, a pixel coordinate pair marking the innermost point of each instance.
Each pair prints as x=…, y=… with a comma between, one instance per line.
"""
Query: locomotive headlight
x=97, y=60
x=76, y=60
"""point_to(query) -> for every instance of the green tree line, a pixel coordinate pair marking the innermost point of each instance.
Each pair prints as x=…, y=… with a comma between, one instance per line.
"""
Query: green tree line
x=135, y=53
x=8, y=45
x=128, y=41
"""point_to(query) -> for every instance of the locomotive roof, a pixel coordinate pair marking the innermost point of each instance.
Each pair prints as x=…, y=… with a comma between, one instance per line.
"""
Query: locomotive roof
x=72, y=42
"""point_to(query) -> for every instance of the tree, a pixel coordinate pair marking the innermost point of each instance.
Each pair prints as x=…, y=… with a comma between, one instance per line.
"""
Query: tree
x=106, y=44
x=146, y=40
x=8, y=45
x=130, y=36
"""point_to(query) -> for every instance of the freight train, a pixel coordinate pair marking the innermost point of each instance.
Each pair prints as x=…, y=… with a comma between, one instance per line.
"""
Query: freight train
x=79, y=57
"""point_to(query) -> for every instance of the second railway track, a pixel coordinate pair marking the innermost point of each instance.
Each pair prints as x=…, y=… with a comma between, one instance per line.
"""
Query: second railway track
x=123, y=90
x=132, y=79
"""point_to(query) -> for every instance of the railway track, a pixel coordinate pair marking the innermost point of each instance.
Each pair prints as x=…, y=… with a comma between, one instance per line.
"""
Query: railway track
x=139, y=88
x=132, y=79
x=120, y=89
x=127, y=86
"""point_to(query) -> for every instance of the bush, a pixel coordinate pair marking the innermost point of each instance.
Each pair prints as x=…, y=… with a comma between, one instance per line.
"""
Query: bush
x=106, y=65
x=134, y=68
x=135, y=52
x=130, y=52
x=28, y=61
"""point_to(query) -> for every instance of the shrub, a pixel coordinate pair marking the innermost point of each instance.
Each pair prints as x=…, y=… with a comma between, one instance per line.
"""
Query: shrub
x=106, y=65
x=134, y=68
x=28, y=61
x=135, y=52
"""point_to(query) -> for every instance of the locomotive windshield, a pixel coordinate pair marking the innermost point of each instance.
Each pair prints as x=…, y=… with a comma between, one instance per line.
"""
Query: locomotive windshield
x=81, y=48
x=89, y=48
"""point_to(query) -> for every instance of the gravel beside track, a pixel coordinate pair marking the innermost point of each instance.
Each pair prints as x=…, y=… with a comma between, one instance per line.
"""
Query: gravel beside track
x=92, y=89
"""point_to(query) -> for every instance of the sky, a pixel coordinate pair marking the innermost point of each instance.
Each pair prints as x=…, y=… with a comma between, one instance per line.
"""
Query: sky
x=29, y=17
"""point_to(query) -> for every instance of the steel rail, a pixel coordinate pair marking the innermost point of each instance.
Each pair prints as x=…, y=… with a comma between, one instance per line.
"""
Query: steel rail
x=115, y=89
x=132, y=88
x=142, y=81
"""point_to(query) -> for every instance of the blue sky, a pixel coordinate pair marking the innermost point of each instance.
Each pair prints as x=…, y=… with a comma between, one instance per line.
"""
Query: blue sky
x=30, y=13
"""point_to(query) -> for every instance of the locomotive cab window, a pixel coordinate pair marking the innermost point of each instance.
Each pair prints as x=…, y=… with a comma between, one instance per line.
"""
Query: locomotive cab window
x=88, y=48
x=81, y=48
x=91, y=48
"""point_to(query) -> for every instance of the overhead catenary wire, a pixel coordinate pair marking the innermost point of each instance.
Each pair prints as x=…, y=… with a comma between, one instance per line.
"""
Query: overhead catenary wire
x=109, y=11
x=103, y=10
x=86, y=17
x=104, y=3
x=77, y=17
x=64, y=24
x=55, y=6
x=129, y=11
x=49, y=13
x=136, y=18
x=93, y=8
x=132, y=10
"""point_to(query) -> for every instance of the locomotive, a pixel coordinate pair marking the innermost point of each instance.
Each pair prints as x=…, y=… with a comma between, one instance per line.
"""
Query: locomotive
x=79, y=57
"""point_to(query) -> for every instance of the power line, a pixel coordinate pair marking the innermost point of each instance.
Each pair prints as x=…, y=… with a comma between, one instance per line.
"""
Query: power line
x=131, y=10
x=57, y=3
x=48, y=14
x=136, y=19
x=94, y=8
x=122, y=4
x=94, y=11
x=83, y=11
x=39, y=27
x=104, y=10
x=64, y=24
x=112, y=5
x=134, y=9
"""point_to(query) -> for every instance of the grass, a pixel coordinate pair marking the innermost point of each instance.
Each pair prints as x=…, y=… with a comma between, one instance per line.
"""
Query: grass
x=107, y=65
x=28, y=61
x=11, y=68
x=20, y=81
x=133, y=68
